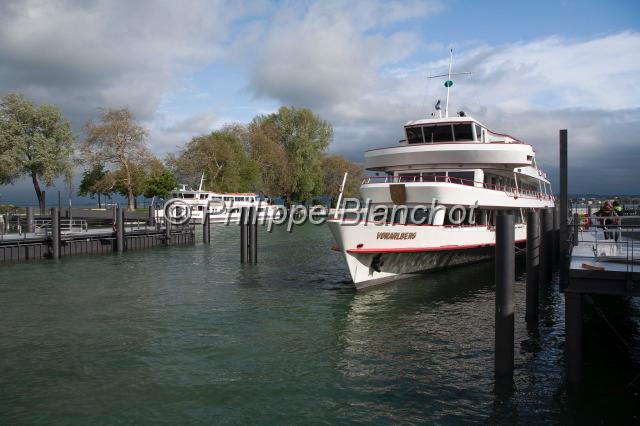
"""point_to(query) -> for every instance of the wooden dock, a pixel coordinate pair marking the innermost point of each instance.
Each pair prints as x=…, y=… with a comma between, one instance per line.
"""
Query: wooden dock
x=75, y=237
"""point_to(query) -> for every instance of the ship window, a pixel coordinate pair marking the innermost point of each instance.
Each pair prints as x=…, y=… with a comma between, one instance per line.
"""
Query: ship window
x=414, y=135
x=464, y=178
x=228, y=198
x=463, y=132
x=203, y=196
x=409, y=177
x=478, y=132
x=188, y=195
x=438, y=133
x=434, y=177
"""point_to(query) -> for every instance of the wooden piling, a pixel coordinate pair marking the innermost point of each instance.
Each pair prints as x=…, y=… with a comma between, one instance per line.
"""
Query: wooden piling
x=533, y=264
x=546, y=246
x=564, y=212
x=573, y=336
x=55, y=233
x=120, y=230
x=504, y=308
x=253, y=235
x=206, y=228
x=555, y=252
x=244, y=252
x=167, y=231
x=151, y=219
x=30, y=224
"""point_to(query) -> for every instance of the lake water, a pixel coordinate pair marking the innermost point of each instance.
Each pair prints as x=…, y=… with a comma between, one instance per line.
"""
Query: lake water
x=186, y=335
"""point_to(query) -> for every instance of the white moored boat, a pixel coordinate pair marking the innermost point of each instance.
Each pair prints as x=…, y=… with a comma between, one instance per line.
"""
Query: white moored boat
x=443, y=186
x=223, y=207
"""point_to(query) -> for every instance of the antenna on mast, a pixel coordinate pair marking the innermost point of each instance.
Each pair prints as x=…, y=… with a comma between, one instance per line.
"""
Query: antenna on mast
x=201, y=182
x=449, y=82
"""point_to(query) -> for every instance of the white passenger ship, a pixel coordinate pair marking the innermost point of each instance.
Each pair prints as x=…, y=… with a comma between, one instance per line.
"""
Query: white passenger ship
x=223, y=207
x=444, y=162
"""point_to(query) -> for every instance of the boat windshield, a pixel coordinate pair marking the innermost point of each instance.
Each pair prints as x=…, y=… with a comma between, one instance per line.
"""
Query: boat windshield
x=434, y=133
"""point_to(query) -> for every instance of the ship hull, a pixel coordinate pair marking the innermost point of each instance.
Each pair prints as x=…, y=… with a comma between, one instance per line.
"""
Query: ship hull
x=379, y=254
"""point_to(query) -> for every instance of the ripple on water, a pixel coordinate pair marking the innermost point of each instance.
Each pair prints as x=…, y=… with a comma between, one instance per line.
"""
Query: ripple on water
x=186, y=334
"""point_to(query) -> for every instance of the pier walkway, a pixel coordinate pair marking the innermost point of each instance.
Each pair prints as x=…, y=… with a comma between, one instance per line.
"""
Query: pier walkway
x=605, y=266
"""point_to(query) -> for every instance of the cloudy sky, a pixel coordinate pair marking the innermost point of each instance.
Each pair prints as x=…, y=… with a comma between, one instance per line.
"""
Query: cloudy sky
x=186, y=68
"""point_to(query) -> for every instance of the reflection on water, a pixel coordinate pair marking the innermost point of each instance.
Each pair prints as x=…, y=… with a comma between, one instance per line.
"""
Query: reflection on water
x=185, y=334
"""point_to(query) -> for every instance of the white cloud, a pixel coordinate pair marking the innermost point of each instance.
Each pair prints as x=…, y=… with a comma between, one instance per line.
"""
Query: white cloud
x=528, y=89
x=83, y=55
x=328, y=54
x=354, y=63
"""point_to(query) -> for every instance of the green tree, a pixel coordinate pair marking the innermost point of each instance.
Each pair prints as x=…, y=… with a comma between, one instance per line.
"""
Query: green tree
x=93, y=183
x=221, y=157
x=334, y=168
x=34, y=141
x=304, y=137
x=118, y=141
x=270, y=157
x=159, y=181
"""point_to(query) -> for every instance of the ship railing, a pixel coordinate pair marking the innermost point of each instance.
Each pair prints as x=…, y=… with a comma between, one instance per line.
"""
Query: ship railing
x=509, y=190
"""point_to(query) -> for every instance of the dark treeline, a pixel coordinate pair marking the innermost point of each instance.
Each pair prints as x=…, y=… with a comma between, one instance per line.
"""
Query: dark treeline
x=280, y=154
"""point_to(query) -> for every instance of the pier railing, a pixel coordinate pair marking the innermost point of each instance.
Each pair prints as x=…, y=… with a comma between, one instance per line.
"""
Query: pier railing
x=509, y=190
x=67, y=226
x=607, y=239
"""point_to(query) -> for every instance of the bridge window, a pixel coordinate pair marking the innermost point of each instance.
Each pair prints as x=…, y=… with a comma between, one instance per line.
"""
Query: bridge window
x=478, y=132
x=441, y=133
x=414, y=135
x=463, y=132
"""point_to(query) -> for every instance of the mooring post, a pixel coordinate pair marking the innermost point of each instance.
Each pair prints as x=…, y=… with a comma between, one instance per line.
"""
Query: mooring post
x=55, y=232
x=120, y=230
x=505, y=279
x=167, y=231
x=243, y=235
x=555, y=253
x=206, y=228
x=114, y=213
x=546, y=246
x=533, y=264
x=253, y=235
x=152, y=218
x=30, y=224
x=573, y=335
x=564, y=212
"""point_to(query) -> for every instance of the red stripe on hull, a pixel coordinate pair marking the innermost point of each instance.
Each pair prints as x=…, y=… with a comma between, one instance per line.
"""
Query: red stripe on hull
x=423, y=249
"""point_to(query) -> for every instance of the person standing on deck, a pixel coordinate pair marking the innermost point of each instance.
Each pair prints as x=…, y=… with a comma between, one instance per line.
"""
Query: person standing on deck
x=606, y=212
x=618, y=211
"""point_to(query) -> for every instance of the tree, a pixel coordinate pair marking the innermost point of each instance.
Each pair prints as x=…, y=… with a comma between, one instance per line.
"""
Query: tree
x=118, y=140
x=160, y=180
x=34, y=141
x=334, y=167
x=221, y=157
x=93, y=183
x=271, y=157
x=304, y=137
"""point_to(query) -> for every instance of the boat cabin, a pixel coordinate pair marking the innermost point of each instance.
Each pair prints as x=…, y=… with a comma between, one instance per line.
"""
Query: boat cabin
x=450, y=130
